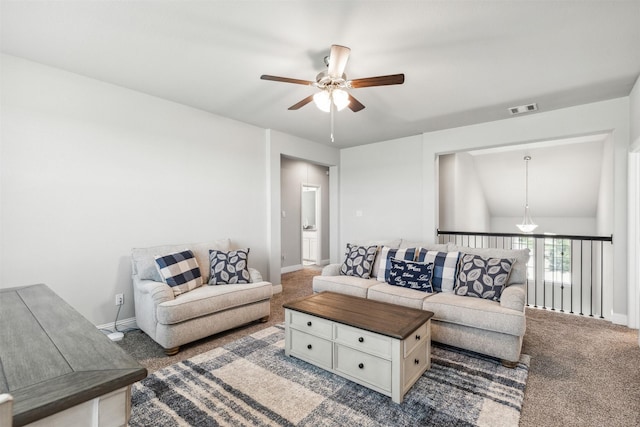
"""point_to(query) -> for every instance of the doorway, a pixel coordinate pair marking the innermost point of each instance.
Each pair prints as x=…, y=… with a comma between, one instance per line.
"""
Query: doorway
x=311, y=225
x=305, y=219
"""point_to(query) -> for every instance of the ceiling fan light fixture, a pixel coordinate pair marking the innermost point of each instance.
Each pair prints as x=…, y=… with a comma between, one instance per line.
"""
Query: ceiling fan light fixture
x=322, y=101
x=340, y=98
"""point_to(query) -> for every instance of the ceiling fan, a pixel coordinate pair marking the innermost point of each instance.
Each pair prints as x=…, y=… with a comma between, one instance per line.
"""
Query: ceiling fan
x=333, y=83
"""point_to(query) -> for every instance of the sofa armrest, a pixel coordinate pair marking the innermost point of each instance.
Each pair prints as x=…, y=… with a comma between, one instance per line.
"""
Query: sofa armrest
x=256, y=277
x=331, y=270
x=158, y=291
x=514, y=297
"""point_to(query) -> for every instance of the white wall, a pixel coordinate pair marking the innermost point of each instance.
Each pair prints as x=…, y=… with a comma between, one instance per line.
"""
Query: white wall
x=90, y=170
x=634, y=208
x=465, y=205
x=380, y=191
x=577, y=226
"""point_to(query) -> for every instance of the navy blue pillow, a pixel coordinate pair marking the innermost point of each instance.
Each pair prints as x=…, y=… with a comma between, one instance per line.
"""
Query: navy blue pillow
x=412, y=275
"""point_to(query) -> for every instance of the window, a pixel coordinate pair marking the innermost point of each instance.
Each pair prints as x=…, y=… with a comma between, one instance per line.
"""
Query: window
x=557, y=261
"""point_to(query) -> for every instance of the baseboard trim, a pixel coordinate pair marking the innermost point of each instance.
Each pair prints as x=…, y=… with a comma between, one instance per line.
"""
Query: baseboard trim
x=129, y=323
x=619, y=319
x=291, y=268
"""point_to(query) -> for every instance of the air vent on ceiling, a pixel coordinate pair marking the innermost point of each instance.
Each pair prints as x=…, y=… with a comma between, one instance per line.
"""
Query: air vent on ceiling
x=523, y=109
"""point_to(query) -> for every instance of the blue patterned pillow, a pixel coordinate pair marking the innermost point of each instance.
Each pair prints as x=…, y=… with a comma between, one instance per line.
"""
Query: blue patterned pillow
x=229, y=267
x=386, y=254
x=358, y=261
x=444, y=268
x=180, y=271
x=483, y=277
x=412, y=275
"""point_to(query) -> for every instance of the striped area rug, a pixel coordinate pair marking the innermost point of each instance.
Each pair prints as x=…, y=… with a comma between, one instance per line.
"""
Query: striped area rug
x=251, y=382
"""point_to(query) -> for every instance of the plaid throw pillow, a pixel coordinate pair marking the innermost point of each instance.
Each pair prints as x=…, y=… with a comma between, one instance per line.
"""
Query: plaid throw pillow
x=483, y=277
x=229, y=267
x=358, y=261
x=385, y=260
x=412, y=275
x=444, y=268
x=180, y=271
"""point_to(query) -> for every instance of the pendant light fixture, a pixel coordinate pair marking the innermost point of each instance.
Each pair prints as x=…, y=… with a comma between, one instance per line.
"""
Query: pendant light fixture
x=527, y=225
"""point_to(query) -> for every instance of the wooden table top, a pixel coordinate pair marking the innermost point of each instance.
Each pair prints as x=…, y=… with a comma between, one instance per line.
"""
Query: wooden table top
x=392, y=320
x=52, y=358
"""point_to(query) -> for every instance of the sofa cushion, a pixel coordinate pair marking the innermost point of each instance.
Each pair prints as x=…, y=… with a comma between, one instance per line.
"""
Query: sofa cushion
x=518, y=269
x=348, y=285
x=445, y=266
x=397, y=295
x=358, y=261
x=211, y=299
x=475, y=312
x=393, y=243
x=180, y=271
x=229, y=267
x=482, y=277
x=411, y=274
x=385, y=255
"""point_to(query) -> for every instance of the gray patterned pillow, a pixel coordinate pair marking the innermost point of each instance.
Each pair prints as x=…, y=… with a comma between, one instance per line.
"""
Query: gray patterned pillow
x=358, y=261
x=229, y=267
x=482, y=277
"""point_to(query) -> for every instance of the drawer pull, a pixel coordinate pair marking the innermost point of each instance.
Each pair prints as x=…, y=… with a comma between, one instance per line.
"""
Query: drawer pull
x=309, y=346
x=416, y=361
x=360, y=339
x=361, y=365
x=417, y=337
x=309, y=323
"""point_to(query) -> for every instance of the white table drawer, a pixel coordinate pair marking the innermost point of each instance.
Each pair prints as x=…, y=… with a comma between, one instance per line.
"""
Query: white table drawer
x=311, y=324
x=365, y=367
x=414, y=365
x=416, y=338
x=365, y=341
x=311, y=348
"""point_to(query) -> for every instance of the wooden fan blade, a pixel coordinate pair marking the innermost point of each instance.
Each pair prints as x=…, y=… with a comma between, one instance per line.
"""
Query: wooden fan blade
x=302, y=103
x=338, y=60
x=287, y=80
x=354, y=104
x=392, y=79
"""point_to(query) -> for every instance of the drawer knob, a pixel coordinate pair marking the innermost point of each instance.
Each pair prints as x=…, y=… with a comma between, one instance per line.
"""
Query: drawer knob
x=361, y=365
x=309, y=323
x=416, y=361
x=417, y=337
x=360, y=339
x=309, y=346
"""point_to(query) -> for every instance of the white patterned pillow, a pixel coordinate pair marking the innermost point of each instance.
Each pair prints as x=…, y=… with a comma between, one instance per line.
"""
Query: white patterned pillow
x=179, y=270
x=386, y=254
x=445, y=267
x=483, y=277
x=358, y=261
x=229, y=267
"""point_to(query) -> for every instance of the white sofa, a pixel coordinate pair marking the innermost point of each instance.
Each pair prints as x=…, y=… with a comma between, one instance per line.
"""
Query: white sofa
x=494, y=328
x=172, y=321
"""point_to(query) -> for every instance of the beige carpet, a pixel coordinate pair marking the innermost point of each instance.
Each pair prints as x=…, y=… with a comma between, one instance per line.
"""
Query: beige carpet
x=584, y=371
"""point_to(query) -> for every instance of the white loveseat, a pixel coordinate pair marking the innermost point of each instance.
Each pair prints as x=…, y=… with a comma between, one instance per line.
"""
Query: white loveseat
x=172, y=320
x=494, y=328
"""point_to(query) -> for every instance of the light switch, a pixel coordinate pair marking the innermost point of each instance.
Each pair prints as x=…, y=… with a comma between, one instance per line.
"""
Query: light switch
x=284, y=214
x=358, y=213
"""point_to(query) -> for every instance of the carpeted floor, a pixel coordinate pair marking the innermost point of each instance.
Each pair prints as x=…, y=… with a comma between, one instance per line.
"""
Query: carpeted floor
x=252, y=382
x=584, y=371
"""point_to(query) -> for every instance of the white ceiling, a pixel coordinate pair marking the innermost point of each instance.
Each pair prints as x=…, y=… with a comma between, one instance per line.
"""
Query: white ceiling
x=465, y=62
x=564, y=177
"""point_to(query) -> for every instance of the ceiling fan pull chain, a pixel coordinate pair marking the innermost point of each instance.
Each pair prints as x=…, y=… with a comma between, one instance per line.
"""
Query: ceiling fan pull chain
x=331, y=112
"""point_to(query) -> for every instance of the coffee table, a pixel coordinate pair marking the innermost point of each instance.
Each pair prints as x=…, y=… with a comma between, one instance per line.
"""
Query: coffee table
x=382, y=346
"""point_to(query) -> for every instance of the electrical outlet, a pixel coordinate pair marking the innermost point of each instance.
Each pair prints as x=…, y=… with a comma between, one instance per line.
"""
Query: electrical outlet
x=119, y=299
